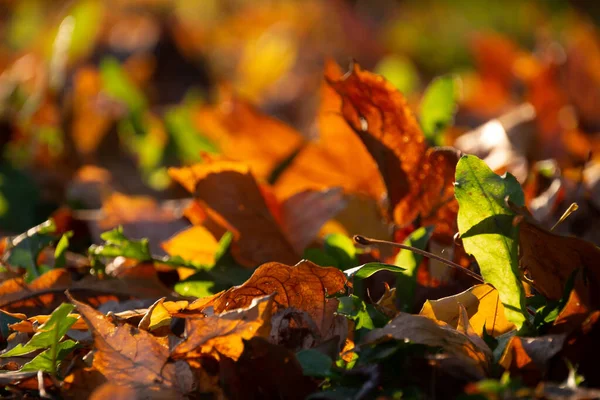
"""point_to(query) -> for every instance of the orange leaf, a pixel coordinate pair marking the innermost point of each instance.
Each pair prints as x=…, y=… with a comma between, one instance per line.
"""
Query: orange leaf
x=245, y=134
x=224, y=334
x=132, y=357
x=339, y=158
x=303, y=286
x=120, y=209
x=231, y=196
x=195, y=244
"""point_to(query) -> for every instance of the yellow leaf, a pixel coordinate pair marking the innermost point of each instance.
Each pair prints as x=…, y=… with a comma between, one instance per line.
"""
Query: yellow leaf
x=482, y=305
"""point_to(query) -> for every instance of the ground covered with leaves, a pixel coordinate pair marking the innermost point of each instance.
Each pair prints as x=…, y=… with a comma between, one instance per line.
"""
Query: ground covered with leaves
x=197, y=200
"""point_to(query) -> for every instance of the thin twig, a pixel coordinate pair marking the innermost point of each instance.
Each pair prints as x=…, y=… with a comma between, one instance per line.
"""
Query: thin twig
x=369, y=241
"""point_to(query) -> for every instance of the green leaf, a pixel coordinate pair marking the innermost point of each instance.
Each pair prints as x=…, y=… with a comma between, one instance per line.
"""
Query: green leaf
x=341, y=248
x=195, y=286
x=188, y=141
x=400, y=72
x=406, y=282
x=355, y=309
x=366, y=270
x=320, y=257
x=485, y=223
x=48, y=360
x=49, y=334
x=24, y=249
x=314, y=363
x=118, y=85
x=117, y=244
x=438, y=107
x=61, y=250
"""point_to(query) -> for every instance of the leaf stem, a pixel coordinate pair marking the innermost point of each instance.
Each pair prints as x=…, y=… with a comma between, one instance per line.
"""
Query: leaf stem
x=369, y=241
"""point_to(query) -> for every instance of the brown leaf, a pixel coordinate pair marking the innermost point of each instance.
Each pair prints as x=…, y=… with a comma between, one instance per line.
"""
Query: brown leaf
x=528, y=357
x=265, y=371
x=232, y=197
x=419, y=181
x=551, y=259
x=115, y=392
x=223, y=334
x=338, y=158
x=466, y=355
x=304, y=213
x=132, y=357
x=245, y=134
x=303, y=286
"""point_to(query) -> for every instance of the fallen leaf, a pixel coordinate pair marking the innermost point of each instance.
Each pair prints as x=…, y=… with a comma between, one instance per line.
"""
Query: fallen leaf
x=338, y=158
x=528, y=357
x=303, y=286
x=482, y=305
x=195, y=244
x=467, y=357
x=134, y=358
x=243, y=133
x=550, y=259
x=304, y=213
x=120, y=209
x=223, y=334
x=233, y=198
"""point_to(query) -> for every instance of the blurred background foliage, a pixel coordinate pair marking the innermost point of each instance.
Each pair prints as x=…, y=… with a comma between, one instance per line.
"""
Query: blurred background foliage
x=92, y=91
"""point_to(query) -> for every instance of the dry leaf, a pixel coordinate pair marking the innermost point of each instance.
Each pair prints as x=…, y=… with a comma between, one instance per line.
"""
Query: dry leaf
x=223, y=334
x=245, y=134
x=303, y=286
x=550, y=260
x=304, y=213
x=232, y=197
x=134, y=358
x=338, y=158
x=528, y=357
x=194, y=244
x=482, y=305
x=467, y=356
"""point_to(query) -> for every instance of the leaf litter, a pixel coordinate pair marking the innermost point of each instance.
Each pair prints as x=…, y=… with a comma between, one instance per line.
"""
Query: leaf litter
x=185, y=206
